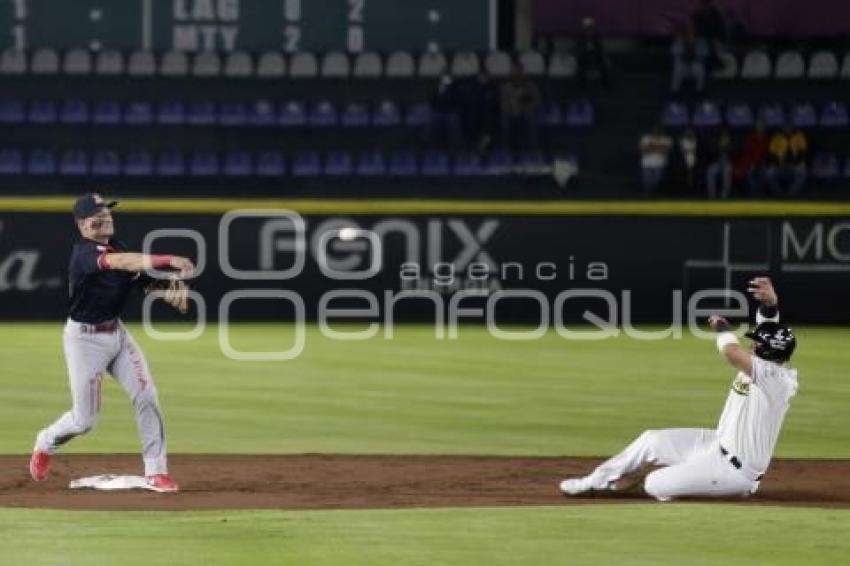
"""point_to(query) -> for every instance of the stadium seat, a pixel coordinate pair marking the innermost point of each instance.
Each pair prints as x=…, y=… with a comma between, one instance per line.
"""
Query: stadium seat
x=432, y=64
x=271, y=65
x=403, y=164
x=756, y=65
x=355, y=115
x=303, y=66
x=74, y=112
x=77, y=62
x=845, y=67
x=204, y=163
x=11, y=162
x=707, y=115
x=171, y=112
x=201, y=113
x=371, y=164
x=435, y=164
x=170, y=163
x=675, y=115
x=306, y=164
x=804, y=115
x=834, y=115
x=825, y=166
x=739, y=115
x=42, y=112
x=728, y=66
x=533, y=64
x=106, y=113
x=338, y=164
x=418, y=115
x=562, y=65
x=138, y=113
x=232, y=113
x=238, y=163
x=823, y=65
x=174, y=64
x=262, y=114
x=580, y=114
x=498, y=64
x=138, y=163
x=13, y=62
x=41, y=162
x=772, y=115
x=292, y=115
x=141, y=64
x=550, y=115
x=387, y=115
x=239, y=65
x=270, y=163
x=467, y=164
x=206, y=64
x=335, y=65
x=499, y=162
x=400, y=65
x=12, y=111
x=531, y=161
x=322, y=115
x=73, y=163
x=109, y=62
x=44, y=62
x=790, y=65
x=368, y=66
x=106, y=163
x=465, y=64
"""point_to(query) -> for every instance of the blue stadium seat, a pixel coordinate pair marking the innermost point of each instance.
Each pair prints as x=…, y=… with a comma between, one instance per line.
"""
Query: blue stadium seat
x=170, y=163
x=262, y=114
x=204, y=164
x=675, y=115
x=338, y=164
x=41, y=162
x=138, y=113
x=105, y=162
x=43, y=112
x=707, y=115
x=355, y=115
x=825, y=166
x=418, y=115
x=74, y=162
x=499, y=162
x=232, y=113
x=580, y=114
x=371, y=164
x=834, y=115
x=106, y=113
x=804, y=115
x=467, y=164
x=387, y=115
x=138, y=163
x=238, y=163
x=201, y=113
x=171, y=112
x=74, y=112
x=322, y=115
x=772, y=115
x=403, y=164
x=292, y=115
x=270, y=164
x=306, y=164
x=11, y=162
x=739, y=115
x=551, y=115
x=435, y=164
x=12, y=111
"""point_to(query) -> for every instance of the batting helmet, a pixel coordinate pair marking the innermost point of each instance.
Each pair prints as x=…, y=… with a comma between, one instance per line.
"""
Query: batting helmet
x=773, y=341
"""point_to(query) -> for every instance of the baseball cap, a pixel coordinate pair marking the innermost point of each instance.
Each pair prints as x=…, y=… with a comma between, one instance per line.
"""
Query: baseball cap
x=88, y=205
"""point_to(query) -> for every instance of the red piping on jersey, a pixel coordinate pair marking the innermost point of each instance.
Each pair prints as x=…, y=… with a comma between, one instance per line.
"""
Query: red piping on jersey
x=102, y=262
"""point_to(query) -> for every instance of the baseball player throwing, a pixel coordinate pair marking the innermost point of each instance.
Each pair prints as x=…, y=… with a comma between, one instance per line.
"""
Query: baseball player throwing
x=101, y=275
x=731, y=460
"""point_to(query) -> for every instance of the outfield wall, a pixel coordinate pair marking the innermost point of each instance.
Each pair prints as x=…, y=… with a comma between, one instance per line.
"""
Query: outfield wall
x=639, y=262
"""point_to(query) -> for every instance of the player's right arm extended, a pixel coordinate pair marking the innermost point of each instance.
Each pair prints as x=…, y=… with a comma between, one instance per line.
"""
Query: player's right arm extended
x=729, y=347
x=137, y=262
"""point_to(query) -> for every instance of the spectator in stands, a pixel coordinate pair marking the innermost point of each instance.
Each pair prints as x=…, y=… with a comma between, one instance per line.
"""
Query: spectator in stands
x=478, y=108
x=709, y=23
x=689, y=58
x=787, y=155
x=519, y=102
x=718, y=175
x=444, y=126
x=655, y=153
x=688, y=147
x=590, y=54
x=750, y=164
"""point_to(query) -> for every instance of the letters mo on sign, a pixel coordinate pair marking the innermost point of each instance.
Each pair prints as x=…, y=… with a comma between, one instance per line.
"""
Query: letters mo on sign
x=822, y=246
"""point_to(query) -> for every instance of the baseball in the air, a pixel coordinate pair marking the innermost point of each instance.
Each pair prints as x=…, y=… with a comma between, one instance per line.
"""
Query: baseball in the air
x=347, y=234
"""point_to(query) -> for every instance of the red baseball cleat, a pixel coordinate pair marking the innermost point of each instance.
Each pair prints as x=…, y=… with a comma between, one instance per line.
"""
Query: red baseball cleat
x=39, y=465
x=162, y=483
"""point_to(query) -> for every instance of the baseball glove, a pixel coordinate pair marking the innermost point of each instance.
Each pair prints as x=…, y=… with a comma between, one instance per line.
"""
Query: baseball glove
x=174, y=292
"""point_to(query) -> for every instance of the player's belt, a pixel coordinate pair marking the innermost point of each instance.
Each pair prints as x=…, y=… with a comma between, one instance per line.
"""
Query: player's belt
x=736, y=463
x=103, y=327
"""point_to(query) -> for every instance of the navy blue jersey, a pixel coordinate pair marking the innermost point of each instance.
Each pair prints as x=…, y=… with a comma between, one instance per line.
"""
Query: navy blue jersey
x=97, y=294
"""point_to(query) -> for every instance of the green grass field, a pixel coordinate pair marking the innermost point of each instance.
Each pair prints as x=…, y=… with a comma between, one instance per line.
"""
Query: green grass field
x=416, y=394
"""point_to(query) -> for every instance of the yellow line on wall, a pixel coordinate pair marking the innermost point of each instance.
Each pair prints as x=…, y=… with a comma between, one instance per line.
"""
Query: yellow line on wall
x=428, y=207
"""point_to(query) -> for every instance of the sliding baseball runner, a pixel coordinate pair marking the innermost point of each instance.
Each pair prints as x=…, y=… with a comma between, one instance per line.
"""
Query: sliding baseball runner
x=101, y=276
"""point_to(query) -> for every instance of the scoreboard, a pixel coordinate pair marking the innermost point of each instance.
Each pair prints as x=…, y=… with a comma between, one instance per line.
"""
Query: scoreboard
x=249, y=25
